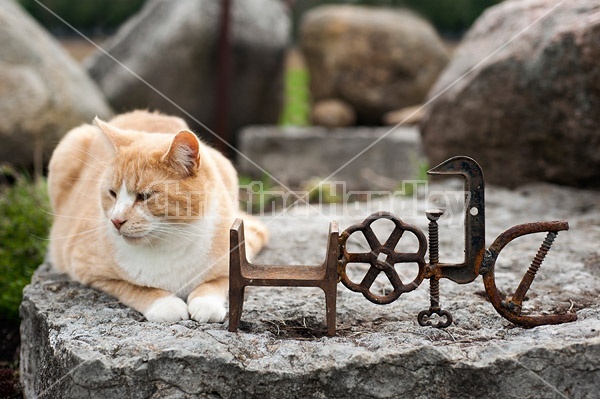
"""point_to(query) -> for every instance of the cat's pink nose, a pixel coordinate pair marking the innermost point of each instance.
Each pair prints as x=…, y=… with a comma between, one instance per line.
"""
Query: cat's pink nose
x=118, y=223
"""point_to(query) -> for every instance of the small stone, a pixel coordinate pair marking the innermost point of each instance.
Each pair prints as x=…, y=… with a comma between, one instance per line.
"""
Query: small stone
x=332, y=113
x=405, y=116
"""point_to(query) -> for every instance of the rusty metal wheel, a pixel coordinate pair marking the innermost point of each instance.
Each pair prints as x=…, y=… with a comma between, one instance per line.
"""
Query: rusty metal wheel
x=382, y=258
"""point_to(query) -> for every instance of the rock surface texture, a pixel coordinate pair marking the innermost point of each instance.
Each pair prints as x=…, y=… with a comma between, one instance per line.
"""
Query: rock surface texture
x=530, y=111
x=173, y=47
x=78, y=342
x=44, y=91
x=376, y=60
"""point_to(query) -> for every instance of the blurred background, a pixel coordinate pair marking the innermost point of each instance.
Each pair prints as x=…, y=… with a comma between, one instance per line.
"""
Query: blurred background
x=289, y=100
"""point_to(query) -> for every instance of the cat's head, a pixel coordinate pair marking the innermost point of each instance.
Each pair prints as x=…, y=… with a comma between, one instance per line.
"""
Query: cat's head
x=153, y=186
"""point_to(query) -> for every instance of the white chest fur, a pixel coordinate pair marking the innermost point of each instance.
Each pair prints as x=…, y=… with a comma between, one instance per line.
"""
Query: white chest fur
x=180, y=261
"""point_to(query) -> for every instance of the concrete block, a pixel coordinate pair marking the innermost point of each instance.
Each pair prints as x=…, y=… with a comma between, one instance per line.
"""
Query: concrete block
x=294, y=155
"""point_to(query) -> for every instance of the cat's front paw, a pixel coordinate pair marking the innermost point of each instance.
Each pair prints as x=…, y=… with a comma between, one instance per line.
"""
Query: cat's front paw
x=207, y=309
x=167, y=309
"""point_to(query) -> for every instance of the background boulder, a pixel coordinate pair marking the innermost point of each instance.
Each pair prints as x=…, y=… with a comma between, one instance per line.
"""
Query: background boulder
x=376, y=60
x=43, y=91
x=172, y=45
x=532, y=111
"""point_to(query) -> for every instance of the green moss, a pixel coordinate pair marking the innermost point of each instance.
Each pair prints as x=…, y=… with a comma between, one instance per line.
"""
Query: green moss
x=24, y=227
x=256, y=195
x=421, y=166
x=322, y=191
x=296, y=110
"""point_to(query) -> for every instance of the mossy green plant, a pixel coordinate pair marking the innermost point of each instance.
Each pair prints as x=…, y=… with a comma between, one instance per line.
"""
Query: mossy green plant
x=24, y=226
x=322, y=191
x=256, y=195
x=408, y=188
x=296, y=110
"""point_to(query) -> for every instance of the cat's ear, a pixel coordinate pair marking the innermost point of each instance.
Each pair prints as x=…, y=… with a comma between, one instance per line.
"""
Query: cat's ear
x=184, y=153
x=115, y=137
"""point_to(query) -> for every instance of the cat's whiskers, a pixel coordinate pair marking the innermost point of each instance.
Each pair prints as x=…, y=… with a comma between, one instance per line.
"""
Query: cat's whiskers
x=156, y=237
x=184, y=233
x=163, y=234
x=84, y=235
x=69, y=216
x=174, y=233
x=72, y=235
x=185, y=226
x=89, y=234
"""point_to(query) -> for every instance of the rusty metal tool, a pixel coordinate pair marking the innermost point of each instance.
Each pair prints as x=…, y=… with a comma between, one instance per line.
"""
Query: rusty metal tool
x=470, y=170
x=478, y=260
x=383, y=257
x=242, y=273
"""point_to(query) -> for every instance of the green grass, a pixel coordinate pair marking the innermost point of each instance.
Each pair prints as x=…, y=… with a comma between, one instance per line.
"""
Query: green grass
x=24, y=225
x=256, y=198
x=296, y=109
x=421, y=166
x=322, y=191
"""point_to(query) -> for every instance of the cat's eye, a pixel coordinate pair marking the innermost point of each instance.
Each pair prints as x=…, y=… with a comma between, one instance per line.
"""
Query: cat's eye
x=144, y=196
x=112, y=193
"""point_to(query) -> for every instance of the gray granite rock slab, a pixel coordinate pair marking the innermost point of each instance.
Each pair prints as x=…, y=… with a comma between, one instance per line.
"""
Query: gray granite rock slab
x=80, y=343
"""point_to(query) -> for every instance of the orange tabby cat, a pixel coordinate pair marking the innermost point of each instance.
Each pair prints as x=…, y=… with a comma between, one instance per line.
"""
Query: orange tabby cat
x=142, y=212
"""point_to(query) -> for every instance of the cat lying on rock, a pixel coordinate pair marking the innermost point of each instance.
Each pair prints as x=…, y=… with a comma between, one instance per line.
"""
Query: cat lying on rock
x=142, y=211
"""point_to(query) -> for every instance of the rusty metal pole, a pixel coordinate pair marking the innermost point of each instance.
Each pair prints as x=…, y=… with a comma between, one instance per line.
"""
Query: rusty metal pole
x=221, y=114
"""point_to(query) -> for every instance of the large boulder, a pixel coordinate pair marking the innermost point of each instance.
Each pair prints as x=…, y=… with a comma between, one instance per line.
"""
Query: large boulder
x=43, y=91
x=377, y=60
x=532, y=110
x=80, y=343
x=172, y=47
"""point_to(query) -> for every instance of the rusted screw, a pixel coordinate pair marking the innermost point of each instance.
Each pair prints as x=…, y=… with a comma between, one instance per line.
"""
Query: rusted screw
x=434, y=284
x=433, y=216
x=516, y=302
x=434, y=293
